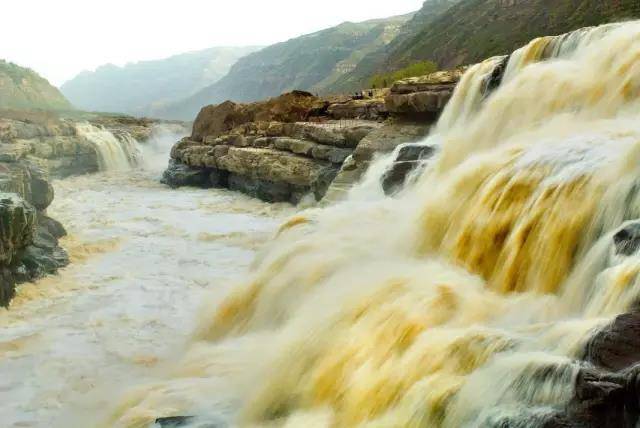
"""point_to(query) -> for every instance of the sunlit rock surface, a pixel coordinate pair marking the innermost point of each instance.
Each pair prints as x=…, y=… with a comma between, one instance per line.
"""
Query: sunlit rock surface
x=279, y=150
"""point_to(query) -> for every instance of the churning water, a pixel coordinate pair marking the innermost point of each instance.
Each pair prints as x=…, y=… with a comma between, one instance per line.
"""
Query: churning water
x=143, y=260
x=463, y=302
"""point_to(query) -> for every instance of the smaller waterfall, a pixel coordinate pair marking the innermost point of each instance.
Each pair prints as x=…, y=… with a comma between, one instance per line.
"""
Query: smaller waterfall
x=115, y=153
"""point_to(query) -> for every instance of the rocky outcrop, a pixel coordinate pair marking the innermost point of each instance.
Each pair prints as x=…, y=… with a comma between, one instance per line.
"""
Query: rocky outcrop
x=296, y=144
x=28, y=237
x=57, y=143
x=54, y=142
x=278, y=150
x=424, y=96
x=409, y=158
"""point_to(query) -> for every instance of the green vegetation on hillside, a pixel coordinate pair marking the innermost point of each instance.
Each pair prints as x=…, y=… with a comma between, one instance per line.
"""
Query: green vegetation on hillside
x=419, y=68
x=460, y=32
x=474, y=30
x=22, y=88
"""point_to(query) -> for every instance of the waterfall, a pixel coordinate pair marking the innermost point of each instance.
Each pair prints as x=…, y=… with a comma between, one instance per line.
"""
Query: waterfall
x=115, y=152
x=468, y=300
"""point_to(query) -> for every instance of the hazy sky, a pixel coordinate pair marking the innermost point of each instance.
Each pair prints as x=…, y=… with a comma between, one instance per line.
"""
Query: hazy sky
x=59, y=38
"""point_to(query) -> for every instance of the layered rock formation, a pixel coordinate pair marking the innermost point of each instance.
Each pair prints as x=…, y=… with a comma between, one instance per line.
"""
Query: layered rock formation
x=414, y=105
x=28, y=237
x=56, y=143
x=278, y=150
x=423, y=96
x=297, y=144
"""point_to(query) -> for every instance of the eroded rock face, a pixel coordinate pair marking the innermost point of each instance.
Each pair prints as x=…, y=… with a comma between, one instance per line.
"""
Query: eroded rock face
x=179, y=175
x=28, y=238
x=216, y=120
x=272, y=160
x=424, y=96
x=409, y=158
x=17, y=227
x=54, y=143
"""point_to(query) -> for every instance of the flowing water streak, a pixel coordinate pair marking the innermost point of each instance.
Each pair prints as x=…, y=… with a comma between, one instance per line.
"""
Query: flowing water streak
x=464, y=302
x=115, y=153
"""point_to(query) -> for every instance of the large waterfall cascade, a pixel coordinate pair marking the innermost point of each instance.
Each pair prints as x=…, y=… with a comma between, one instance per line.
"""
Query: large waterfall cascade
x=468, y=299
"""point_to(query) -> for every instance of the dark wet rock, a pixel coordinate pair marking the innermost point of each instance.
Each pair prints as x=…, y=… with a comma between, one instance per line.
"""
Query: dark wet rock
x=617, y=346
x=44, y=239
x=53, y=226
x=266, y=190
x=7, y=286
x=179, y=175
x=42, y=261
x=325, y=178
x=627, y=239
x=17, y=226
x=495, y=78
x=409, y=158
x=188, y=421
x=601, y=400
x=218, y=178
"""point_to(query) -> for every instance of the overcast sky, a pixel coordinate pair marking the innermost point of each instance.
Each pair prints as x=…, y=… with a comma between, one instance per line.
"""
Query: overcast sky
x=60, y=38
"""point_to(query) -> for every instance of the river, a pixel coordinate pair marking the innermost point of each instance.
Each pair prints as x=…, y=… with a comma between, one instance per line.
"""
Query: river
x=144, y=258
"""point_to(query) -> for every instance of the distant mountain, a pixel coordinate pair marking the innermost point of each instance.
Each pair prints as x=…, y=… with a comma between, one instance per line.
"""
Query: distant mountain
x=473, y=30
x=377, y=61
x=24, y=89
x=312, y=62
x=143, y=87
x=458, y=32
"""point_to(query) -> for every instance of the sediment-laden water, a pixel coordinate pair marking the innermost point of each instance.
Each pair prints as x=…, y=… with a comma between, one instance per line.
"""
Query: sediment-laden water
x=468, y=299
x=465, y=301
x=144, y=259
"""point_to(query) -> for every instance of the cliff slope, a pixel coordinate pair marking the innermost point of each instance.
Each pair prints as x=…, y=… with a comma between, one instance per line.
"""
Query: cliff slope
x=455, y=32
x=22, y=88
x=312, y=62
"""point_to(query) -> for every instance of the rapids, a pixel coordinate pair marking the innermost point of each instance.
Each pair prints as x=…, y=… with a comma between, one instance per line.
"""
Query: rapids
x=143, y=259
x=465, y=301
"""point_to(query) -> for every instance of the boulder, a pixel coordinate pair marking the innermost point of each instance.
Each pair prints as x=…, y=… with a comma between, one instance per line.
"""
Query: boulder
x=215, y=120
x=367, y=109
x=424, y=95
x=17, y=226
x=617, y=346
x=409, y=158
x=627, y=239
x=54, y=227
x=386, y=138
x=179, y=175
